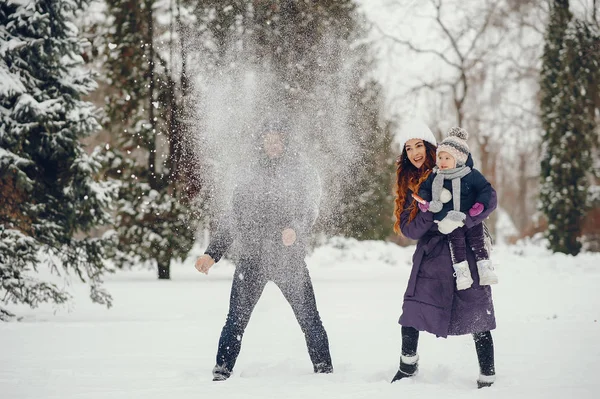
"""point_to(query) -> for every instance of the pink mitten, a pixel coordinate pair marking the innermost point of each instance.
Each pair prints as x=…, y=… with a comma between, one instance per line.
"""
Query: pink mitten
x=423, y=207
x=476, y=209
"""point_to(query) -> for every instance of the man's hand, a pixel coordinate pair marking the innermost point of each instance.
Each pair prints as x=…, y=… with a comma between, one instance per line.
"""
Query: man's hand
x=288, y=236
x=204, y=263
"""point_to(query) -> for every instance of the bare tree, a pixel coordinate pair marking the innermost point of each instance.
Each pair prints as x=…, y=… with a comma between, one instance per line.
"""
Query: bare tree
x=491, y=67
x=462, y=58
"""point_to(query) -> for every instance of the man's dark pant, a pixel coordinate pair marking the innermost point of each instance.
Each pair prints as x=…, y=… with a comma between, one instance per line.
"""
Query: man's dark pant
x=294, y=282
x=461, y=237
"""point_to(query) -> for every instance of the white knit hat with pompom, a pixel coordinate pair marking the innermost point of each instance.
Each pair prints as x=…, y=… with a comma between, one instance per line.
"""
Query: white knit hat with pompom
x=456, y=145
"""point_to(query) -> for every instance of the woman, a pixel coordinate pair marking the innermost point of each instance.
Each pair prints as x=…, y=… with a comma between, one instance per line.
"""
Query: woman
x=431, y=302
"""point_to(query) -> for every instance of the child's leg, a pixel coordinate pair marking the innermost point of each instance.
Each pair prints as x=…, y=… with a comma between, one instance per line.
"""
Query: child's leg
x=456, y=241
x=476, y=240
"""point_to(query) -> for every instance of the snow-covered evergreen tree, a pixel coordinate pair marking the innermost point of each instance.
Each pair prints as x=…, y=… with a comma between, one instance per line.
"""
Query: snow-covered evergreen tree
x=366, y=206
x=569, y=101
x=51, y=195
x=154, y=219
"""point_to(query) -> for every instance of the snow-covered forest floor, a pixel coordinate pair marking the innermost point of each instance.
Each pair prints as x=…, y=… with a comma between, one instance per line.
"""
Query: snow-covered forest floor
x=160, y=338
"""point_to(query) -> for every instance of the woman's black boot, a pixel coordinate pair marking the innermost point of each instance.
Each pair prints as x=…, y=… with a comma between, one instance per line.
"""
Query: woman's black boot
x=409, y=365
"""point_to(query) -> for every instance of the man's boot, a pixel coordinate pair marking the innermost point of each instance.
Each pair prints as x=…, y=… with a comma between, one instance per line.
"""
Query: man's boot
x=221, y=373
x=485, y=380
x=323, y=368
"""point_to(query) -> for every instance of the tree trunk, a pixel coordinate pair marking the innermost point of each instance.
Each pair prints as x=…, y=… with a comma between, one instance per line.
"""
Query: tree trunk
x=488, y=169
x=151, y=85
x=164, y=271
x=522, y=197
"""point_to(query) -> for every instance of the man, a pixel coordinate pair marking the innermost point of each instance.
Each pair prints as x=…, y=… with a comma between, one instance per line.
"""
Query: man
x=273, y=209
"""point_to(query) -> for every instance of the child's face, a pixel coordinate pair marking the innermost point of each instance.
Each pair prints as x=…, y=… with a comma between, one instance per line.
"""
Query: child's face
x=445, y=160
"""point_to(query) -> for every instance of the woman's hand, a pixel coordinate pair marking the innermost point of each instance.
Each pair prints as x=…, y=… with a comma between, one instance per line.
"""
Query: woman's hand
x=204, y=263
x=288, y=236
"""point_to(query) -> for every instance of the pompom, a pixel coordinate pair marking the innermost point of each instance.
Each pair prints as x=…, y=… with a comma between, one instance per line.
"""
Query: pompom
x=445, y=195
x=458, y=132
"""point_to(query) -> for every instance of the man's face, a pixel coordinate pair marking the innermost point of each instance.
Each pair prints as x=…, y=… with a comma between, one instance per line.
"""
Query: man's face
x=273, y=145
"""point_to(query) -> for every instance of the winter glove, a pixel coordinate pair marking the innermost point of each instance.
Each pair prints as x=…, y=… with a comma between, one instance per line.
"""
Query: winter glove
x=435, y=206
x=476, y=209
x=421, y=203
x=451, y=222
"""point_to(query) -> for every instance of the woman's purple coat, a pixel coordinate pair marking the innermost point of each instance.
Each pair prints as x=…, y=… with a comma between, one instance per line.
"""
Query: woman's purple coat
x=431, y=302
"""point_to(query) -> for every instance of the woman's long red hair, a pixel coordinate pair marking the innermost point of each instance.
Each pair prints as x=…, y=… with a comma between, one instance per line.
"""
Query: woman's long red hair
x=410, y=178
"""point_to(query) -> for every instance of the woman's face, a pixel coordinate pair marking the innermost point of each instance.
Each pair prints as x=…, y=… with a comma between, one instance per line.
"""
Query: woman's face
x=416, y=152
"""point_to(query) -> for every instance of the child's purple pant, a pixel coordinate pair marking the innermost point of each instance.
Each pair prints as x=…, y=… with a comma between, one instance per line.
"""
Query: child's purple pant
x=462, y=236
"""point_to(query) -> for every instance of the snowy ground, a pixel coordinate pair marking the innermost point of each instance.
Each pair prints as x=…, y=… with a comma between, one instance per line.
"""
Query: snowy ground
x=160, y=338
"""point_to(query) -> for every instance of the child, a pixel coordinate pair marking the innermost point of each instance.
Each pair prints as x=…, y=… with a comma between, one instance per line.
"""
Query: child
x=453, y=180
